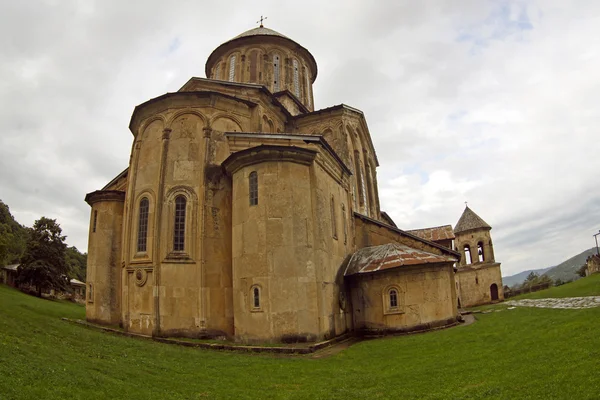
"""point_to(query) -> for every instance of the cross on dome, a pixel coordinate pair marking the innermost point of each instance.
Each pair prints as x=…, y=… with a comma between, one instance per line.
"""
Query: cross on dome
x=261, y=21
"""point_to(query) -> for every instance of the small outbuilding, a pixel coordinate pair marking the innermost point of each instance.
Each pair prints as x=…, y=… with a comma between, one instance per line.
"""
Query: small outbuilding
x=396, y=288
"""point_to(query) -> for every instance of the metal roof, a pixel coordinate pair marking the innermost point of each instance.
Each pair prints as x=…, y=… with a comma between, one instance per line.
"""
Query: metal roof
x=436, y=233
x=389, y=256
x=261, y=30
x=470, y=221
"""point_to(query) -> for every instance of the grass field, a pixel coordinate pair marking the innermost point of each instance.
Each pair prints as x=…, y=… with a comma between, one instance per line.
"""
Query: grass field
x=511, y=354
x=589, y=286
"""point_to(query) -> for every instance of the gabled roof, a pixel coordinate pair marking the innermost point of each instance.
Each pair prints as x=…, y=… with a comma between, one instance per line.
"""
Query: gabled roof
x=434, y=234
x=389, y=256
x=469, y=221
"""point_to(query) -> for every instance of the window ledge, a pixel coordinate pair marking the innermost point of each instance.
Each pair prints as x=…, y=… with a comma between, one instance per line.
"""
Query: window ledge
x=393, y=311
x=179, y=257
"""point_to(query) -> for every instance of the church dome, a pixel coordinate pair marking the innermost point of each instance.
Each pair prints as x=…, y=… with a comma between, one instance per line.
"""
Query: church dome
x=265, y=57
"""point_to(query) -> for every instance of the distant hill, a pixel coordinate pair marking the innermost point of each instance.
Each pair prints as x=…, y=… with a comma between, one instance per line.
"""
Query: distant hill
x=519, y=278
x=567, y=270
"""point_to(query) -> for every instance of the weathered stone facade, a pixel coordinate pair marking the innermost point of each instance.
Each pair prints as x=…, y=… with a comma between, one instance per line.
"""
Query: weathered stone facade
x=240, y=207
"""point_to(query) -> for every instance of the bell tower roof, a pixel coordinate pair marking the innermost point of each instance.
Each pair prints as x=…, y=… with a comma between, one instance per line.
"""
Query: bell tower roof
x=470, y=221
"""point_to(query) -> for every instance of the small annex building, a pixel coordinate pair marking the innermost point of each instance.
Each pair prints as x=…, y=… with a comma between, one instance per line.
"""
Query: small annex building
x=247, y=213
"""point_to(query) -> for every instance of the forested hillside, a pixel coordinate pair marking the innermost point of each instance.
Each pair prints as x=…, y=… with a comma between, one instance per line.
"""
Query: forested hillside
x=13, y=237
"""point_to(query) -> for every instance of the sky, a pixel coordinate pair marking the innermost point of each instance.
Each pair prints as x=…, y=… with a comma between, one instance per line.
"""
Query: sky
x=494, y=103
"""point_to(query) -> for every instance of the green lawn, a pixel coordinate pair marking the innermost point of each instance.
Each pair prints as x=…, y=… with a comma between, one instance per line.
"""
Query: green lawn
x=512, y=354
x=589, y=286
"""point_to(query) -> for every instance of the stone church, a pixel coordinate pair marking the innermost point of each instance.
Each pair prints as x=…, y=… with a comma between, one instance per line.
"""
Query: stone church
x=248, y=214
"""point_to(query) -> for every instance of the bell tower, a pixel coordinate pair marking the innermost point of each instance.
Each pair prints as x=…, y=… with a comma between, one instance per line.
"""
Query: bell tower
x=478, y=276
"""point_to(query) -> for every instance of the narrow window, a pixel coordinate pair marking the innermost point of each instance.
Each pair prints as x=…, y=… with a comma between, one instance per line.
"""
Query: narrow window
x=477, y=280
x=393, y=298
x=364, y=190
x=218, y=71
x=480, y=251
x=179, y=231
x=256, y=297
x=296, y=80
x=231, y=68
x=253, y=66
x=90, y=293
x=467, y=251
x=143, y=225
x=276, y=73
x=95, y=220
x=253, y=188
x=333, y=219
x=345, y=224
x=358, y=173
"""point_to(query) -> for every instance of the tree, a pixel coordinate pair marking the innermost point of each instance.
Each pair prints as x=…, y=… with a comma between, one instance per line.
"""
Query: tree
x=76, y=262
x=43, y=264
x=13, y=237
x=581, y=271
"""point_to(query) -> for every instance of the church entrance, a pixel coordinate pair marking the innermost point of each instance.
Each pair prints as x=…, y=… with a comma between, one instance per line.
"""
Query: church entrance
x=494, y=291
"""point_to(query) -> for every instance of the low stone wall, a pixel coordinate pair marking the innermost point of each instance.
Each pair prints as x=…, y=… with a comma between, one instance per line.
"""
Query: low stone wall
x=529, y=289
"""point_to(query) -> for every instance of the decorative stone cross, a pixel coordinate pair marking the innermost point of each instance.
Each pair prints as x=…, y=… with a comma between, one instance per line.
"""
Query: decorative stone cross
x=261, y=21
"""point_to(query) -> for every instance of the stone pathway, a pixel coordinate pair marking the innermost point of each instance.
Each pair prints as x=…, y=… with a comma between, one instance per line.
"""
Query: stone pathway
x=567, y=302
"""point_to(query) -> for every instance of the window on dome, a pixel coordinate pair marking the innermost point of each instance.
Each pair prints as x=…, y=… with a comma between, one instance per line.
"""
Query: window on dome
x=231, y=68
x=276, y=73
x=296, y=80
x=218, y=71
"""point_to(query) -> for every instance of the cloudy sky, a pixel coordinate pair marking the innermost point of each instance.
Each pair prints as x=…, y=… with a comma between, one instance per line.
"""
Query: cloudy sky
x=491, y=102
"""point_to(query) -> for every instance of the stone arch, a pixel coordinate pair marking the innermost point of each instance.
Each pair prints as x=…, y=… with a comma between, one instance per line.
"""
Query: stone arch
x=191, y=217
x=151, y=196
x=218, y=121
x=393, y=299
x=181, y=113
x=494, y=292
x=144, y=125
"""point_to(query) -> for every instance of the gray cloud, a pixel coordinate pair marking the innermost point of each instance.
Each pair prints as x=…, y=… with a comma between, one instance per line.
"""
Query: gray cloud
x=490, y=102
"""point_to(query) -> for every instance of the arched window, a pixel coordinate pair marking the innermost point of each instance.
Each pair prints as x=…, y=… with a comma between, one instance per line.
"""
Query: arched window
x=253, y=188
x=467, y=250
x=359, y=177
x=218, y=71
x=253, y=66
x=276, y=63
x=393, y=298
x=231, y=68
x=333, y=219
x=179, y=231
x=256, y=297
x=255, y=303
x=480, y=252
x=296, y=79
x=143, y=225
x=364, y=198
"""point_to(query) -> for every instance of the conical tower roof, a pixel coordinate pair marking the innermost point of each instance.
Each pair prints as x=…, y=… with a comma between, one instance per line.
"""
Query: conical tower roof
x=469, y=221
